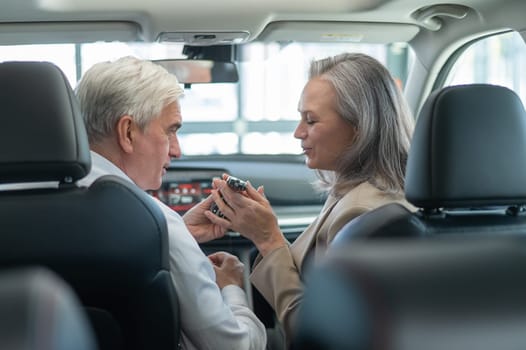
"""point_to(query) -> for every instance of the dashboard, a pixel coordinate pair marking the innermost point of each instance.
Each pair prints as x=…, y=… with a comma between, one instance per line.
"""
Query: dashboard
x=183, y=188
x=286, y=180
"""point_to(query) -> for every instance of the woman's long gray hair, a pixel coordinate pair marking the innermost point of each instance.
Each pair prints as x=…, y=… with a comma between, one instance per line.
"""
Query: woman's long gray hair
x=368, y=97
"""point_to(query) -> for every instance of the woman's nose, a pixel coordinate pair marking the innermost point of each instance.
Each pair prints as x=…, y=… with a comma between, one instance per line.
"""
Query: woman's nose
x=300, y=132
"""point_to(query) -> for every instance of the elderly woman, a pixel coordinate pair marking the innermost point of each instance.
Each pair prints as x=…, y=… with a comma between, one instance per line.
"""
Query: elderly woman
x=355, y=130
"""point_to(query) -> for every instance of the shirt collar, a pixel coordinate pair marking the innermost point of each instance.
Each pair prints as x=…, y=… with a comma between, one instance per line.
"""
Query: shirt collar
x=101, y=164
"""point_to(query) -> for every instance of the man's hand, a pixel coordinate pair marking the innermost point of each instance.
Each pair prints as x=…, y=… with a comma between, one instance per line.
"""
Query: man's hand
x=200, y=226
x=228, y=268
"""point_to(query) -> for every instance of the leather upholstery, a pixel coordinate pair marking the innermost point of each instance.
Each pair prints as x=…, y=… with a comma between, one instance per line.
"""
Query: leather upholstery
x=108, y=241
x=468, y=149
x=39, y=311
x=43, y=136
x=436, y=294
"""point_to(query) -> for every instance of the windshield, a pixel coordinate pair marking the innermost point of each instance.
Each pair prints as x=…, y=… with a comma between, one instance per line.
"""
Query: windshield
x=257, y=115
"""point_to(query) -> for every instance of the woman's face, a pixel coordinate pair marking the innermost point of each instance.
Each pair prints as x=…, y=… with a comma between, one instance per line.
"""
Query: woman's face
x=324, y=134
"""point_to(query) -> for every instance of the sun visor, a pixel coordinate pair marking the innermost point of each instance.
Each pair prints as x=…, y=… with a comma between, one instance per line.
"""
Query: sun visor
x=69, y=32
x=344, y=31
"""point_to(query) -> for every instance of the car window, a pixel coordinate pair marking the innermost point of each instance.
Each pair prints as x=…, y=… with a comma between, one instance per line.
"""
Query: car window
x=258, y=115
x=498, y=59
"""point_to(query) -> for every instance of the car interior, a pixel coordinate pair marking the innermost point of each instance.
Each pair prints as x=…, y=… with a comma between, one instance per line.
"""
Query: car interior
x=461, y=65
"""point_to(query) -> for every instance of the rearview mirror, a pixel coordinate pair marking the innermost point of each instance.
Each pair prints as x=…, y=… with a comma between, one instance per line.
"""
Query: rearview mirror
x=190, y=71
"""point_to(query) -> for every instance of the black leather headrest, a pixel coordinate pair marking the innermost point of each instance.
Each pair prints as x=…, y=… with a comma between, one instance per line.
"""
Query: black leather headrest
x=42, y=134
x=468, y=149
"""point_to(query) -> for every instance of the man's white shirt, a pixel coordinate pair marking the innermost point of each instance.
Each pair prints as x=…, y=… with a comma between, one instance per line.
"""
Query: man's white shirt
x=210, y=318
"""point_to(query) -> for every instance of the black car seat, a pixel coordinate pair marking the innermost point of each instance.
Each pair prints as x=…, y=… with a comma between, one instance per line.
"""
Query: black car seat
x=447, y=292
x=39, y=311
x=466, y=171
x=108, y=241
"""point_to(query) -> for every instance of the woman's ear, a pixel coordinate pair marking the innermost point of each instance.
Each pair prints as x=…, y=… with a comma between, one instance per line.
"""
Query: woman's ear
x=125, y=133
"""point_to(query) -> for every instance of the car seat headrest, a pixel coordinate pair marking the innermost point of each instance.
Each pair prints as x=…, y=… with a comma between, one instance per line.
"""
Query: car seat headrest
x=43, y=137
x=468, y=149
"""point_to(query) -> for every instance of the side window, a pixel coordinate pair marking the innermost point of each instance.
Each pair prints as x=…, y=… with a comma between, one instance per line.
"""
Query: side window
x=498, y=59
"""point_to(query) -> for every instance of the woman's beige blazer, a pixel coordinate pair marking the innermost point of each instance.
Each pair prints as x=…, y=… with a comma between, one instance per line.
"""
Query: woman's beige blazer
x=278, y=276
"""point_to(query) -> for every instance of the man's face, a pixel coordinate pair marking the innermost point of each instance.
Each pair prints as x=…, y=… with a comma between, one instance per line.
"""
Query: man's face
x=154, y=147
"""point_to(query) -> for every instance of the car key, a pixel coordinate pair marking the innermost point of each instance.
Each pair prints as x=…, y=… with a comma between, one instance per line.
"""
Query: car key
x=235, y=184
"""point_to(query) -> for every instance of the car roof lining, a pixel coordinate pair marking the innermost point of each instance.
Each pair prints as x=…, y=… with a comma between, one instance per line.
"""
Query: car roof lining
x=271, y=18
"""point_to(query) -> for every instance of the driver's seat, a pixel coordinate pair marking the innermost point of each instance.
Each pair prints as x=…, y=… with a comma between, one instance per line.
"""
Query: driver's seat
x=109, y=242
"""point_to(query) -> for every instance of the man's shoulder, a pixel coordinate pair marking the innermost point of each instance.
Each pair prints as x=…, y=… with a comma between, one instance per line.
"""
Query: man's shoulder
x=87, y=180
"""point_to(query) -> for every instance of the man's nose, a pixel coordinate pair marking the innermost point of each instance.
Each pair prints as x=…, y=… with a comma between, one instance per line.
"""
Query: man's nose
x=175, y=149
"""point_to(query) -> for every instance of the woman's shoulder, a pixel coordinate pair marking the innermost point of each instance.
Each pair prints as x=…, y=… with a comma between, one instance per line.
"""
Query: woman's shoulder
x=368, y=196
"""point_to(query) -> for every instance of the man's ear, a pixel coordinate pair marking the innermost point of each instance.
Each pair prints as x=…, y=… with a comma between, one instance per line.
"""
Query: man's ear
x=126, y=129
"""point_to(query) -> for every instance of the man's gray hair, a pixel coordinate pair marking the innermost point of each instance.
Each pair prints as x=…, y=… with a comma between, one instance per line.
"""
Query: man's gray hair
x=127, y=86
x=370, y=100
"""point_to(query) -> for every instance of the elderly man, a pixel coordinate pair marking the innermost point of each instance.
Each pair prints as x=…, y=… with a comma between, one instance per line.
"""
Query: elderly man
x=132, y=115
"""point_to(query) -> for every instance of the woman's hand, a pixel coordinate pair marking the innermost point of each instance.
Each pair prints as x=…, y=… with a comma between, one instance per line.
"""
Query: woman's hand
x=249, y=213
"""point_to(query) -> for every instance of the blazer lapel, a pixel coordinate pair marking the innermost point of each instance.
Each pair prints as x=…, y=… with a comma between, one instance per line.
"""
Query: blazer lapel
x=303, y=244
